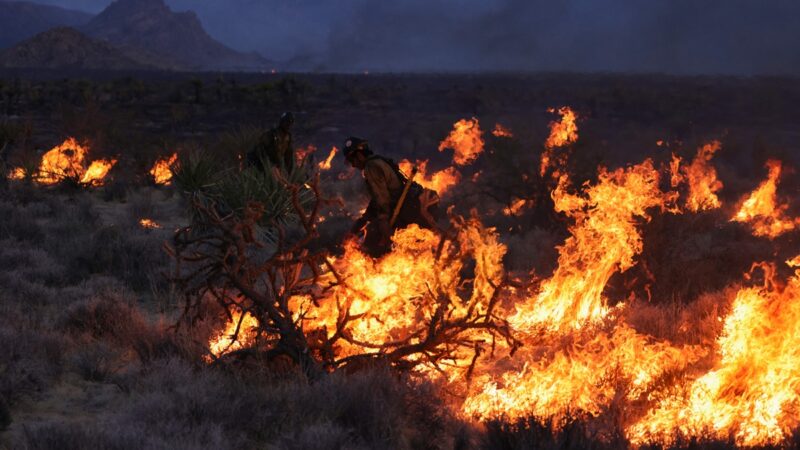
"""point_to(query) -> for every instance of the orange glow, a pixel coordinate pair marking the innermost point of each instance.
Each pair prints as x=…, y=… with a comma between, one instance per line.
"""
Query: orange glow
x=676, y=177
x=501, y=131
x=440, y=181
x=760, y=208
x=302, y=152
x=466, y=140
x=326, y=165
x=702, y=179
x=562, y=133
x=149, y=224
x=227, y=340
x=162, y=170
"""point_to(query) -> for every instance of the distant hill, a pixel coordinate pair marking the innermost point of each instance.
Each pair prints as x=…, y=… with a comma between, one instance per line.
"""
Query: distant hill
x=21, y=20
x=68, y=48
x=150, y=28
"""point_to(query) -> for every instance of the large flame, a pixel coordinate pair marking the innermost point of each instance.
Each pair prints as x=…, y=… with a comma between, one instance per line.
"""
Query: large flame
x=753, y=391
x=440, y=181
x=162, y=170
x=761, y=209
x=466, y=140
x=562, y=133
x=68, y=161
x=702, y=179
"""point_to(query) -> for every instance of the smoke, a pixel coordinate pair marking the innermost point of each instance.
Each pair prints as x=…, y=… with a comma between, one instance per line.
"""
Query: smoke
x=739, y=37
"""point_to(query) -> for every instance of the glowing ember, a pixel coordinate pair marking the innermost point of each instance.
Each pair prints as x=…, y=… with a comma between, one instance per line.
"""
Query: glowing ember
x=302, y=152
x=149, y=224
x=467, y=141
x=761, y=210
x=501, y=131
x=162, y=170
x=515, y=209
x=226, y=341
x=562, y=133
x=702, y=179
x=326, y=165
x=440, y=181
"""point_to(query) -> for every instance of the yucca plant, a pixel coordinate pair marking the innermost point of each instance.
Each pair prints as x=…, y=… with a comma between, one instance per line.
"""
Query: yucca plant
x=230, y=190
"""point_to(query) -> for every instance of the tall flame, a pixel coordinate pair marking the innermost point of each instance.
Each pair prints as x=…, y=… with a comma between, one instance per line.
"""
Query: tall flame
x=702, y=179
x=760, y=208
x=326, y=164
x=562, y=133
x=162, y=170
x=466, y=140
x=604, y=240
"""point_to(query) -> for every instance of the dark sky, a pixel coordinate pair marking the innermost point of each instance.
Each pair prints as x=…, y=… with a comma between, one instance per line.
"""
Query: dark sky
x=675, y=36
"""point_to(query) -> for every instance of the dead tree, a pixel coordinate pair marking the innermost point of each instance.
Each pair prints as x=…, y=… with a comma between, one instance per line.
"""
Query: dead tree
x=224, y=259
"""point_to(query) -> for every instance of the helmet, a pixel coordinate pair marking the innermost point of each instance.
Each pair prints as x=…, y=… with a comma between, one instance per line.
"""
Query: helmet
x=354, y=144
x=287, y=119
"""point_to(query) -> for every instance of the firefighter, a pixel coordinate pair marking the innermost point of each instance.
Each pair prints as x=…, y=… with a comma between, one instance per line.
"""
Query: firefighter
x=275, y=146
x=385, y=184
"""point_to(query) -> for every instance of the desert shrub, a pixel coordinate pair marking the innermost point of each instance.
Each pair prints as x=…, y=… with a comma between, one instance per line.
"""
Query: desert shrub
x=30, y=360
x=108, y=315
x=129, y=253
x=19, y=223
x=95, y=361
x=5, y=414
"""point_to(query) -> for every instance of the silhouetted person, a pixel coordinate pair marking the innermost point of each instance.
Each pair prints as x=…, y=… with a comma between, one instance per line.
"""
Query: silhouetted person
x=275, y=146
x=385, y=183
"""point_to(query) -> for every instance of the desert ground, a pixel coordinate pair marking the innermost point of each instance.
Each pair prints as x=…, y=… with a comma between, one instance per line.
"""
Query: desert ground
x=105, y=348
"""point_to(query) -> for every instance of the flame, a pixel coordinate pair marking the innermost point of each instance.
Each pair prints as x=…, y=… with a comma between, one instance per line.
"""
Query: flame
x=752, y=391
x=760, y=208
x=97, y=172
x=224, y=341
x=326, y=165
x=149, y=224
x=676, y=177
x=440, y=181
x=68, y=161
x=604, y=241
x=562, y=133
x=162, y=170
x=501, y=131
x=467, y=141
x=62, y=161
x=702, y=179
